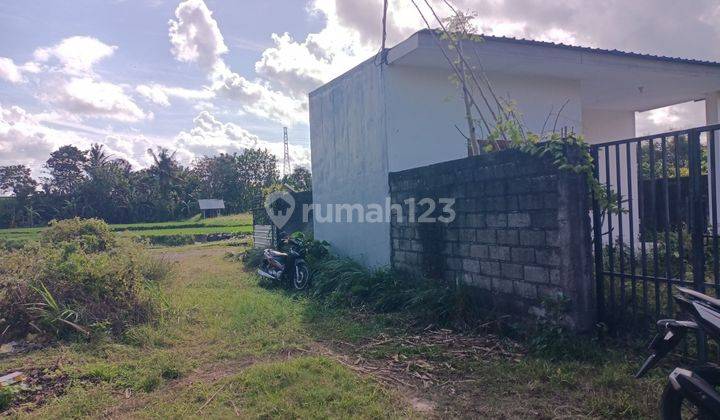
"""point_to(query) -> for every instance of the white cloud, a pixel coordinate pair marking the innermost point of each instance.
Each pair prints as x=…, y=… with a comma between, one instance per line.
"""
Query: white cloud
x=670, y=118
x=258, y=99
x=9, y=71
x=24, y=138
x=302, y=66
x=84, y=96
x=209, y=136
x=13, y=73
x=195, y=36
x=160, y=94
x=77, y=55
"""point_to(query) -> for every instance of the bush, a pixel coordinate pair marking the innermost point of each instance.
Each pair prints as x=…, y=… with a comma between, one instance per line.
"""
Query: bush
x=11, y=244
x=79, y=280
x=91, y=235
x=344, y=282
x=6, y=398
x=252, y=258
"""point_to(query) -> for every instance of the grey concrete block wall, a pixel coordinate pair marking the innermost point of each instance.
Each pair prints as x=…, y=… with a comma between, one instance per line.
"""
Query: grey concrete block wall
x=521, y=235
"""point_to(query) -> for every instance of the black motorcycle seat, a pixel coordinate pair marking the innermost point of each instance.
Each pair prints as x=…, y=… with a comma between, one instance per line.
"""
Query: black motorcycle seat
x=274, y=253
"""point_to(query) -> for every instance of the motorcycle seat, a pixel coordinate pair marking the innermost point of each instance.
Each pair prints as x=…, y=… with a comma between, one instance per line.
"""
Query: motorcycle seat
x=274, y=253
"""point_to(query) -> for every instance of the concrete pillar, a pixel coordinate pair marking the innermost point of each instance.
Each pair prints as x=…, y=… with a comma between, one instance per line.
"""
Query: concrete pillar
x=711, y=108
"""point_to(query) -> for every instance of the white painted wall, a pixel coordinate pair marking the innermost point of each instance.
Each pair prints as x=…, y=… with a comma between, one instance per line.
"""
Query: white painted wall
x=601, y=126
x=424, y=107
x=349, y=160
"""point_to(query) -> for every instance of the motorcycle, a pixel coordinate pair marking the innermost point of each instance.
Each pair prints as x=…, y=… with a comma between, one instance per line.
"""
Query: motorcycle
x=287, y=266
x=690, y=392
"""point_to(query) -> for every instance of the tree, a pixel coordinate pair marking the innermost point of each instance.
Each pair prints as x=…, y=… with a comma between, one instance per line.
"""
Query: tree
x=66, y=170
x=165, y=169
x=257, y=168
x=105, y=193
x=219, y=177
x=459, y=27
x=300, y=179
x=16, y=179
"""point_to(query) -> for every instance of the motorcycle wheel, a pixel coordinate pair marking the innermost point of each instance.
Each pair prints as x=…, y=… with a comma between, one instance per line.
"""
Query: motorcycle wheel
x=674, y=406
x=302, y=276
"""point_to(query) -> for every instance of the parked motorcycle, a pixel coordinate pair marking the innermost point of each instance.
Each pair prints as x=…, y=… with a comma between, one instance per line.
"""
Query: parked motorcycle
x=287, y=266
x=690, y=392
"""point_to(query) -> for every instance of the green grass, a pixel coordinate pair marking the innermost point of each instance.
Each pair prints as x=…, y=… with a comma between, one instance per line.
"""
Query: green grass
x=240, y=223
x=224, y=331
x=228, y=347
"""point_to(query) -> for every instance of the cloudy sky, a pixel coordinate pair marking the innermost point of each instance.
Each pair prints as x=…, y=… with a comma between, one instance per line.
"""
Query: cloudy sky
x=203, y=77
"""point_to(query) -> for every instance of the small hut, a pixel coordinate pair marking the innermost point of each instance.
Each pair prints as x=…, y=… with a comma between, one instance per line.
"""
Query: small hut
x=211, y=207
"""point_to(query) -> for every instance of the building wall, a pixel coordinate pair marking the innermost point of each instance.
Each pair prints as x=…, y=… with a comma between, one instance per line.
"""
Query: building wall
x=424, y=108
x=352, y=153
x=349, y=160
x=521, y=234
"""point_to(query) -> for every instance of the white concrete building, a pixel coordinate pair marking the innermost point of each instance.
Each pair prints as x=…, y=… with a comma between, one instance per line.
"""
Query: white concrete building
x=380, y=118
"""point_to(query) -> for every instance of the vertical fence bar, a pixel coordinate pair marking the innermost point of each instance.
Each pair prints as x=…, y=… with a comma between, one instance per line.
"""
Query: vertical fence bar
x=678, y=201
x=597, y=241
x=611, y=247
x=621, y=234
x=630, y=203
x=697, y=218
x=713, y=211
x=666, y=222
x=653, y=207
x=643, y=229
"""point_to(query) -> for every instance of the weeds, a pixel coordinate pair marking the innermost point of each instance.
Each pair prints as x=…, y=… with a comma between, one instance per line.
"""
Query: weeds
x=344, y=282
x=252, y=258
x=6, y=397
x=79, y=280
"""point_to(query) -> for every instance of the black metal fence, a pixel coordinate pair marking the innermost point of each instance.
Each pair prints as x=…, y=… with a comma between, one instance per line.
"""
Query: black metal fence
x=660, y=228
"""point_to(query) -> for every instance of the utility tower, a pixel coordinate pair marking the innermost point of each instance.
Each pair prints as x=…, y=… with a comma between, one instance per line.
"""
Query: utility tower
x=286, y=155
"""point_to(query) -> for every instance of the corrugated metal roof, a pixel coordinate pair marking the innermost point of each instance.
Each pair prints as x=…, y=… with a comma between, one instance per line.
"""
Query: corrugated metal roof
x=592, y=50
x=211, y=204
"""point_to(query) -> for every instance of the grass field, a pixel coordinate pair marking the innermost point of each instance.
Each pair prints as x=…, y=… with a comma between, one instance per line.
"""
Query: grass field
x=230, y=348
x=240, y=223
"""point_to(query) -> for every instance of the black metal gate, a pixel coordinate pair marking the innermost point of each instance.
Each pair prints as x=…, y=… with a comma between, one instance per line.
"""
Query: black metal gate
x=656, y=226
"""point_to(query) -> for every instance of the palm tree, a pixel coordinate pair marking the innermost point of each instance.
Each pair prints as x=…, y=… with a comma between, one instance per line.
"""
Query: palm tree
x=166, y=172
x=164, y=168
x=97, y=156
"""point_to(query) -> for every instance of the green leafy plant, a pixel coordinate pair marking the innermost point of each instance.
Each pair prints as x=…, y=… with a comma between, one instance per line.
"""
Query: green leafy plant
x=252, y=258
x=51, y=315
x=7, y=395
x=315, y=250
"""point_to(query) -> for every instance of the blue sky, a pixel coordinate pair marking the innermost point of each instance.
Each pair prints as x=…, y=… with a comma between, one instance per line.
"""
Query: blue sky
x=203, y=77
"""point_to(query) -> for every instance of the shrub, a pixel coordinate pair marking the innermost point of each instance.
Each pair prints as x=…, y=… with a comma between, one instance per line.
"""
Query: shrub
x=6, y=398
x=11, y=244
x=344, y=282
x=91, y=235
x=252, y=258
x=80, y=279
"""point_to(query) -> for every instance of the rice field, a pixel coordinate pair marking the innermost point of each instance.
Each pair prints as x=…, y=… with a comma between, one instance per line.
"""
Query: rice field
x=234, y=224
